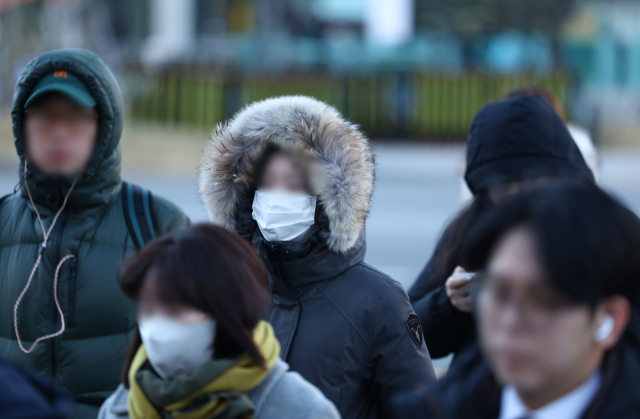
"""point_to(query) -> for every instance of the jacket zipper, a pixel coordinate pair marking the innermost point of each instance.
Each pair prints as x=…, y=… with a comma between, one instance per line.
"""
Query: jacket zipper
x=71, y=308
x=274, y=257
x=54, y=311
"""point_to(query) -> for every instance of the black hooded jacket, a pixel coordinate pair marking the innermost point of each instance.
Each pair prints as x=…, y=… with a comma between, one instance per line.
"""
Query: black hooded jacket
x=86, y=359
x=510, y=140
x=343, y=325
x=518, y=139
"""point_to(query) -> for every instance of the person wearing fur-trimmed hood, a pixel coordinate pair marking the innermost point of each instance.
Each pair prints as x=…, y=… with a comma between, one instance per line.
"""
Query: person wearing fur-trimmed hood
x=343, y=325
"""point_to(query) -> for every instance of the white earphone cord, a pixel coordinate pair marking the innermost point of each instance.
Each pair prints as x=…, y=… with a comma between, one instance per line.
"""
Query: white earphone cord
x=43, y=247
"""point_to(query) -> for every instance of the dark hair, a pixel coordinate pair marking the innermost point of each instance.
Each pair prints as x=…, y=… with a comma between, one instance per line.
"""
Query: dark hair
x=589, y=243
x=263, y=159
x=209, y=268
x=448, y=253
x=260, y=164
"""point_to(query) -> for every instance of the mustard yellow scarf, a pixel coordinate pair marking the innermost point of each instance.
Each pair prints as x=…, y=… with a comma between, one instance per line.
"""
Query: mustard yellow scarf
x=217, y=389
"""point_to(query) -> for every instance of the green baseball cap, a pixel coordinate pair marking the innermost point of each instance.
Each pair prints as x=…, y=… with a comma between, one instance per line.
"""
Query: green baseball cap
x=66, y=83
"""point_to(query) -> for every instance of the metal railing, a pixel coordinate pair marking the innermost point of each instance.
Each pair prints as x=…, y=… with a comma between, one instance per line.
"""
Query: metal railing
x=394, y=105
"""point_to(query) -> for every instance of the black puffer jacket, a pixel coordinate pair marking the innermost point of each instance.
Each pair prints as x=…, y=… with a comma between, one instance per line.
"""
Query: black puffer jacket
x=511, y=140
x=343, y=325
x=86, y=359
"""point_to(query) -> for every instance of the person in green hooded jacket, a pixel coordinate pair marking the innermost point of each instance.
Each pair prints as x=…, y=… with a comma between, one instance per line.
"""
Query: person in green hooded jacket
x=64, y=232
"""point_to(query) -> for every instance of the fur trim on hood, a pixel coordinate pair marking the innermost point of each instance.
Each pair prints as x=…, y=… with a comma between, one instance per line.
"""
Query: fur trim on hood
x=347, y=163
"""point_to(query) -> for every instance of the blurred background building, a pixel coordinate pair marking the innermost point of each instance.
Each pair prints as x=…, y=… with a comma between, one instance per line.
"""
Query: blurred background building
x=414, y=69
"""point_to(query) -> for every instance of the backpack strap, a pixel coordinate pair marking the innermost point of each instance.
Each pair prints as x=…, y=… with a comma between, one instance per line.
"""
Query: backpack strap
x=2, y=199
x=137, y=205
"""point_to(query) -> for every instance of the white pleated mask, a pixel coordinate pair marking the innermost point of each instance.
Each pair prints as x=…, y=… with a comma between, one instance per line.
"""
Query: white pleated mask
x=175, y=348
x=283, y=216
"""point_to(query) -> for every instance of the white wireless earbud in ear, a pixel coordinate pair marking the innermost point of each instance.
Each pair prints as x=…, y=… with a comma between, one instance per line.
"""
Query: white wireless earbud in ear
x=605, y=329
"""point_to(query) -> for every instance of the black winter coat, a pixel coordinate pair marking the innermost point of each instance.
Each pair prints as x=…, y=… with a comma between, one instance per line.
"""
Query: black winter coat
x=510, y=140
x=344, y=326
x=446, y=329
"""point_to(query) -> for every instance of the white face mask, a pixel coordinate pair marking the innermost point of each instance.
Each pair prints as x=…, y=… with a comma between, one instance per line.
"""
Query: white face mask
x=175, y=348
x=283, y=216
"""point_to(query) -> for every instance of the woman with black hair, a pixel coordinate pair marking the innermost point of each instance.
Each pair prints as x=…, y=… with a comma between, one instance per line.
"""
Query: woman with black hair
x=201, y=350
x=513, y=145
x=295, y=179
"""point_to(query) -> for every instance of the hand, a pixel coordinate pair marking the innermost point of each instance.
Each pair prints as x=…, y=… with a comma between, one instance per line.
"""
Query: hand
x=458, y=288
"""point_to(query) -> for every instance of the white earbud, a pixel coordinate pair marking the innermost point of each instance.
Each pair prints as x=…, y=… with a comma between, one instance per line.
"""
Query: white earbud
x=605, y=329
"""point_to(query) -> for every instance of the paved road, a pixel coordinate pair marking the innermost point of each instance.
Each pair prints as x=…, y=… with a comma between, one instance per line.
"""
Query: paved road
x=417, y=192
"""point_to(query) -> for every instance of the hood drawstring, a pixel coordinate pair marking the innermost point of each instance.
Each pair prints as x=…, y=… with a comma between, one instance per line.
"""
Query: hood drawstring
x=43, y=247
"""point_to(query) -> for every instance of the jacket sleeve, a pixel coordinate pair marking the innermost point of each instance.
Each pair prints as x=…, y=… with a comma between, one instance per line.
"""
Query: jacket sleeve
x=115, y=407
x=325, y=411
x=419, y=288
x=399, y=364
x=443, y=325
x=168, y=217
x=105, y=409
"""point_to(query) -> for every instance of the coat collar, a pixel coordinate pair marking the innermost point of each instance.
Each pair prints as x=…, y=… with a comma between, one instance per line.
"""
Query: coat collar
x=119, y=400
x=300, y=264
x=94, y=188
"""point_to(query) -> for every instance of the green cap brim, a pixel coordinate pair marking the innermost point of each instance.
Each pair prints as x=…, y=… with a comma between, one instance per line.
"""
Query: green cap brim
x=81, y=97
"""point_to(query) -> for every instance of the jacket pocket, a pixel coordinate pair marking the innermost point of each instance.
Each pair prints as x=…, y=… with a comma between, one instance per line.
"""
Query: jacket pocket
x=71, y=304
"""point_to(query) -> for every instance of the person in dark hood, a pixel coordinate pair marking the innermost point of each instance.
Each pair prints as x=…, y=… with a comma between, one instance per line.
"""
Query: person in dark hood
x=513, y=145
x=294, y=178
x=579, y=134
x=64, y=232
x=555, y=306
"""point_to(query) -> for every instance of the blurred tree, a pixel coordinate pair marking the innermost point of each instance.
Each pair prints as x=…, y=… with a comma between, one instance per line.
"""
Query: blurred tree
x=472, y=18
